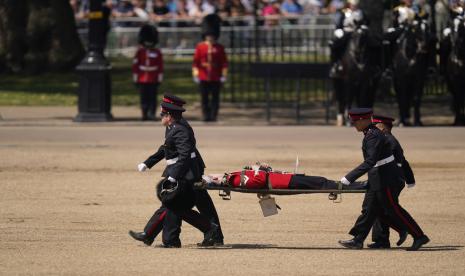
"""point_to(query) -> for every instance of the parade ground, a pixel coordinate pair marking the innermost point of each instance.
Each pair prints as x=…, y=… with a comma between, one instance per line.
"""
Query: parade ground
x=70, y=192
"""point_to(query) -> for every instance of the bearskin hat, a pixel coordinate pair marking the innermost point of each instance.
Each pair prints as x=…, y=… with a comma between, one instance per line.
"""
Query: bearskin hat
x=148, y=36
x=211, y=25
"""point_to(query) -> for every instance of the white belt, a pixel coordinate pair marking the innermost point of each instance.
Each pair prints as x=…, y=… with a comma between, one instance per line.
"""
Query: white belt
x=148, y=68
x=385, y=161
x=174, y=160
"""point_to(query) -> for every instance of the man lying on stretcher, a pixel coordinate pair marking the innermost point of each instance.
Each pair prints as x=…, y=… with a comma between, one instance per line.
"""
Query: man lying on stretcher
x=255, y=177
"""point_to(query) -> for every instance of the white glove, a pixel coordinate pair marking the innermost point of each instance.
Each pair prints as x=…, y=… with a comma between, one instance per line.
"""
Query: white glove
x=142, y=167
x=134, y=77
x=411, y=185
x=345, y=181
x=172, y=180
x=160, y=78
x=207, y=179
x=223, y=79
x=196, y=80
x=338, y=33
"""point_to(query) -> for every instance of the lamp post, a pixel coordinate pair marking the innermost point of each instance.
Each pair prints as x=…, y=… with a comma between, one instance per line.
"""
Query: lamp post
x=94, y=92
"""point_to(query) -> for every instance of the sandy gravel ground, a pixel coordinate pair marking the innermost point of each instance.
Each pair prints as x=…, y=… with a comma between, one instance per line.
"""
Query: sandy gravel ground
x=70, y=192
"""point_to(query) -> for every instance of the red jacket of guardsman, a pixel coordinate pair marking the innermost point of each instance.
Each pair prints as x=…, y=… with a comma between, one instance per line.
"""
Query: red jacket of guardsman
x=147, y=66
x=210, y=62
x=252, y=179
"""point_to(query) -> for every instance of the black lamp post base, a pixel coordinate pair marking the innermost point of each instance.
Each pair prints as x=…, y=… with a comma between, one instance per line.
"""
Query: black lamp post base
x=93, y=117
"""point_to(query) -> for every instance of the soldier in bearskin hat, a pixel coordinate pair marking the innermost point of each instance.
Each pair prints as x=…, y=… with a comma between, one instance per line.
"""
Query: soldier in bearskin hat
x=210, y=67
x=147, y=70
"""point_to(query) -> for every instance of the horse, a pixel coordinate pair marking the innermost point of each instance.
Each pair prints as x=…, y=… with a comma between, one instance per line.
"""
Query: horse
x=411, y=62
x=452, y=56
x=356, y=74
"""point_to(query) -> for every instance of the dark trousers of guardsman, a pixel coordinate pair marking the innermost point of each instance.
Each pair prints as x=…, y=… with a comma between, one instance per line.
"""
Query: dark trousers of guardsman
x=170, y=222
x=384, y=205
x=380, y=230
x=148, y=99
x=210, y=92
x=162, y=218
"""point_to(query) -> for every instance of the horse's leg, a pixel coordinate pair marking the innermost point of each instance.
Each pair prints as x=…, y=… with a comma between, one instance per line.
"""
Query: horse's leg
x=411, y=82
x=417, y=97
x=371, y=86
x=451, y=82
x=399, y=88
x=459, y=99
x=340, y=91
x=359, y=94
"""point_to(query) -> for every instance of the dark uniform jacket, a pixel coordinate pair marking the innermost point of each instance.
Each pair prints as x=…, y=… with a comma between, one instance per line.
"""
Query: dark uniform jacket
x=375, y=147
x=398, y=152
x=179, y=144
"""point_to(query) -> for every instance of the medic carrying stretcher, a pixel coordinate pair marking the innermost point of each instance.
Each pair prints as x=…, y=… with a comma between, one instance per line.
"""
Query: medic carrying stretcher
x=262, y=180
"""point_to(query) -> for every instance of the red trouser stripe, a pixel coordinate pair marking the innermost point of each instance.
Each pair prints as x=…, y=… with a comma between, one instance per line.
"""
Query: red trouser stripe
x=399, y=213
x=160, y=219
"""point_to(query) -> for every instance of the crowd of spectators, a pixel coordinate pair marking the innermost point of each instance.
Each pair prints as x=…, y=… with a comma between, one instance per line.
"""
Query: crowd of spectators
x=194, y=10
x=165, y=12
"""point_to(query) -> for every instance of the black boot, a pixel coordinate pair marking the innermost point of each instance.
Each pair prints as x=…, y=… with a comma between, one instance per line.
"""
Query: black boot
x=379, y=245
x=212, y=237
x=144, y=115
x=419, y=242
x=141, y=236
x=352, y=244
x=402, y=238
x=172, y=245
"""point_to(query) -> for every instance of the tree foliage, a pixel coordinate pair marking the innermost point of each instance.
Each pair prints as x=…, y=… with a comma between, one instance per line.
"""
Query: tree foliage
x=38, y=36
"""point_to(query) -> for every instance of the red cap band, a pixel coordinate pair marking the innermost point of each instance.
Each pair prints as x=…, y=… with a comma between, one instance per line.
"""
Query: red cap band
x=166, y=100
x=357, y=117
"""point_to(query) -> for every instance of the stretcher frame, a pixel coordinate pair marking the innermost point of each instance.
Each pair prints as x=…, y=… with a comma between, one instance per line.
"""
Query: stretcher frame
x=224, y=191
x=335, y=195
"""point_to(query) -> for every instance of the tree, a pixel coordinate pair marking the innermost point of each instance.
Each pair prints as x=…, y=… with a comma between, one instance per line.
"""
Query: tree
x=37, y=36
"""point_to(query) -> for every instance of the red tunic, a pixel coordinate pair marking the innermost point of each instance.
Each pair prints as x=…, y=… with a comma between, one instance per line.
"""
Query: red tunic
x=257, y=180
x=209, y=61
x=147, y=66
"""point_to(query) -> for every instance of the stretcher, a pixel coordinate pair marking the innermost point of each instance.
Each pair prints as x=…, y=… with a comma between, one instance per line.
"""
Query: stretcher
x=225, y=191
x=264, y=192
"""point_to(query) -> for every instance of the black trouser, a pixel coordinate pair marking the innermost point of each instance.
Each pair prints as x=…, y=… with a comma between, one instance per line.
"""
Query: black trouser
x=380, y=230
x=309, y=182
x=170, y=221
x=383, y=205
x=210, y=105
x=148, y=99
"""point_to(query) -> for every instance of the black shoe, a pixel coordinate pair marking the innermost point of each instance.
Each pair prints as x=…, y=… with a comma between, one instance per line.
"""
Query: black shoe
x=171, y=245
x=352, y=244
x=379, y=245
x=212, y=237
x=140, y=236
x=417, y=243
x=402, y=238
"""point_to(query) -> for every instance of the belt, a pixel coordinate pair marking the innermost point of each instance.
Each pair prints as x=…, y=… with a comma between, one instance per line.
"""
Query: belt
x=385, y=161
x=174, y=160
x=148, y=68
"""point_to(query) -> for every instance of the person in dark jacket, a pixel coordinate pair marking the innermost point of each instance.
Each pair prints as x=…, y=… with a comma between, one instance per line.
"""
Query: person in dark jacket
x=383, y=175
x=380, y=230
x=184, y=167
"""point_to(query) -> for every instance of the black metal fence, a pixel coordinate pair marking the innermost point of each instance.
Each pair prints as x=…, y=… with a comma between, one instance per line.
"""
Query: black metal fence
x=247, y=45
